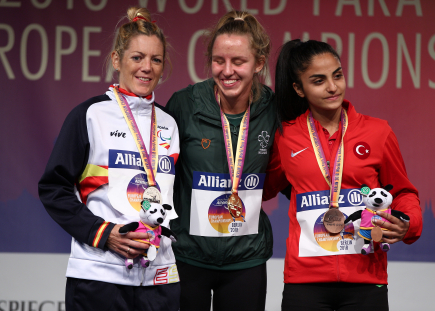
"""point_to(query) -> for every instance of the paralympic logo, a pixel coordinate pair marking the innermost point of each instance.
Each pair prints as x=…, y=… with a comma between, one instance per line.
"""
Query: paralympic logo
x=164, y=144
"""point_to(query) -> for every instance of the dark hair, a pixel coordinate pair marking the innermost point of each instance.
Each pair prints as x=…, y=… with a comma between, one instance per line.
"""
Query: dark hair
x=295, y=57
x=242, y=23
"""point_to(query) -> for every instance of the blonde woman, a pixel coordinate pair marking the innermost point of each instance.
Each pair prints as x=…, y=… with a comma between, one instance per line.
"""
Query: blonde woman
x=226, y=129
x=97, y=175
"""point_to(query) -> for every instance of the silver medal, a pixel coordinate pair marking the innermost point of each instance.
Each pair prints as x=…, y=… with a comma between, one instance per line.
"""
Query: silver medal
x=153, y=195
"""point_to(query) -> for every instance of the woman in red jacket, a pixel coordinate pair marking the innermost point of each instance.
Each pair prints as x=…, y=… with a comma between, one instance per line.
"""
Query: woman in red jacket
x=326, y=151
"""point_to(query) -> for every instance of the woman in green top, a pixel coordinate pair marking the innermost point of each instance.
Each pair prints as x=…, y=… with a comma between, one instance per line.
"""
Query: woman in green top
x=224, y=247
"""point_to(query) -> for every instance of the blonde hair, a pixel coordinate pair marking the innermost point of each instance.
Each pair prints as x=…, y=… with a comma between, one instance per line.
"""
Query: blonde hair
x=140, y=24
x=243, y=23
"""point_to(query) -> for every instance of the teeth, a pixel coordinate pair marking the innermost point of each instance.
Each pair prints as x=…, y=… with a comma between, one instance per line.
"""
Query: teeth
x=229, y=81
x=144, y=79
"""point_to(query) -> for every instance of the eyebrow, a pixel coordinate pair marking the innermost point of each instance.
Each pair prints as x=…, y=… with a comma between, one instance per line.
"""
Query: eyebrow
x=244, y=58
x=323, y=76
x=142, y=54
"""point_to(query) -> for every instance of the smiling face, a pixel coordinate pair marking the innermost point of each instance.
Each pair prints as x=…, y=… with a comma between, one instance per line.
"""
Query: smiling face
x=141, y=65
x=233, y=68
x=323, y=85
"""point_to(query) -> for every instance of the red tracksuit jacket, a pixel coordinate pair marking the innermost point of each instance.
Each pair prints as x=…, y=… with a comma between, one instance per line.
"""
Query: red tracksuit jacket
x=371, y=157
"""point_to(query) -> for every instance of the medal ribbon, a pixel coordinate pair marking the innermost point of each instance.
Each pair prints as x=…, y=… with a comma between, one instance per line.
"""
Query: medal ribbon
x=335, y=182
x=149, y=161
x=236, y=167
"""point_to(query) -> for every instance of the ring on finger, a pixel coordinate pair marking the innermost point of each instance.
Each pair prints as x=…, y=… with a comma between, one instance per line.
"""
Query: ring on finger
x=128, y=250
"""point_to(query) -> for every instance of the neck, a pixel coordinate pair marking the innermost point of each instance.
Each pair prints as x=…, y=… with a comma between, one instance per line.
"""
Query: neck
x=236, y=105
x=329, y=119
x=126, y=92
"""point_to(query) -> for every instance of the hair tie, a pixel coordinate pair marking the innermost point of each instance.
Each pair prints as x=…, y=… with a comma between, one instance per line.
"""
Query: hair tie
x=138, y=17
x=238, y=19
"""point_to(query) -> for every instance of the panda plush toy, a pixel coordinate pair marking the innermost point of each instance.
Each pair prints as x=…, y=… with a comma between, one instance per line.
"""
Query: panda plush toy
x=375, y=200
x=151, y=217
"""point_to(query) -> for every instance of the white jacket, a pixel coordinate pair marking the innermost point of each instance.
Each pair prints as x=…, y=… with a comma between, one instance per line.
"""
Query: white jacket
x=95, y=179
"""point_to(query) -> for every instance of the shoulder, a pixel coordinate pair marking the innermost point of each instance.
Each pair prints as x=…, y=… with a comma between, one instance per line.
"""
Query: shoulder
x=166, y=115
x=376, y=122
x=81, y=110
x=265, y=106
x=191, y=95
x=297, y=125
x=365, y=122
x=267, y=94
x=375, y=125
x=93, y=100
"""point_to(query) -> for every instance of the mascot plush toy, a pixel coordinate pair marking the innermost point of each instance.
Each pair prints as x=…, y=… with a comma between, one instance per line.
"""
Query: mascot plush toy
x=151, y=217
x=375, y=200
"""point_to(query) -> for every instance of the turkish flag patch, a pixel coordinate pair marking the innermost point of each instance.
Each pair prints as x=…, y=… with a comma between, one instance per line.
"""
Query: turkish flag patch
x=362, y=150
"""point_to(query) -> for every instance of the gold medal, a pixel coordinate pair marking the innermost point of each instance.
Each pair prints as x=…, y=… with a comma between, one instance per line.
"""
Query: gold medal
x=152, y=194
x=333, y=220
x=235, y=165
x=377, y=234
x=235, y=206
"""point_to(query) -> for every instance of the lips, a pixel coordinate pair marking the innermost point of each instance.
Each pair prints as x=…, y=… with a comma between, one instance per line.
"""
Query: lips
x=143, y=79
x=335, y=97
x=229, y=82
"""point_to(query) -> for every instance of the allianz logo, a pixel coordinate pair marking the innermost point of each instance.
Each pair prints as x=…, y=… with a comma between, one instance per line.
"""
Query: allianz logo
x=165, y=164
x=353, y=197
x=128, y=159
x=250, y=182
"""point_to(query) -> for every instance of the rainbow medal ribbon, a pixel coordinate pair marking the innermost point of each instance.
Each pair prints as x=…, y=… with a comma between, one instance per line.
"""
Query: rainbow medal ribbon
x=235, y=205
x=333, y=219
x=149, y=160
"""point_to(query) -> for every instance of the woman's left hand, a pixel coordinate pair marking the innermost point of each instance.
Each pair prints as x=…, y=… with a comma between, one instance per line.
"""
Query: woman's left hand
x=397, y=228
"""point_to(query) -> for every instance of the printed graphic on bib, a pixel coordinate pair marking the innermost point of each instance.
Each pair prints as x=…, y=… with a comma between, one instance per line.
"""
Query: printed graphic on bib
x=220, y=217
x=128, y=181
x=209, y=214
x=315, y=240
x=135, y=190
x=336, y=242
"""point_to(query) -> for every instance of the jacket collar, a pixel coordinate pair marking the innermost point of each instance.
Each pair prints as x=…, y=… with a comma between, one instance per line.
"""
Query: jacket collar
x=351, y=114
x=202, y=94
x=137, y=104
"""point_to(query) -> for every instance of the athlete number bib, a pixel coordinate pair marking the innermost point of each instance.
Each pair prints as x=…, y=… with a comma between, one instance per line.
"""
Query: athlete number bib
x=315, y=240
x=209, y=214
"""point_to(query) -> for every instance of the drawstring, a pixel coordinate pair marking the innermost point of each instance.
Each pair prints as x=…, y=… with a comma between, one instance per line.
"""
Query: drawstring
x=143, y=275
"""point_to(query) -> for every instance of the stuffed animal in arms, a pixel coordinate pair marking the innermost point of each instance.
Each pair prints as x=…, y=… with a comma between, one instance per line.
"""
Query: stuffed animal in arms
x=375, y=200
x=151, y=217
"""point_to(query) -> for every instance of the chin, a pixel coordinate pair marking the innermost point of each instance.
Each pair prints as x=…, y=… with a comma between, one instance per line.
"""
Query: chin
x=230, y=93
x=142, y=93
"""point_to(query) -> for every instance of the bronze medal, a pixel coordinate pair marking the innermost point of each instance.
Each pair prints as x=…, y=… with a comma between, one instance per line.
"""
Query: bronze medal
x=153, y=195
x=235, y=206
x=333, y=220
x=377, y=234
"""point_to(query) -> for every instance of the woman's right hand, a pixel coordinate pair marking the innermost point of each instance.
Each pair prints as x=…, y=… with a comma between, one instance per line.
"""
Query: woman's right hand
x=124, y=245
